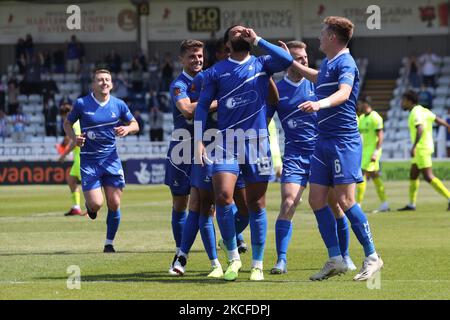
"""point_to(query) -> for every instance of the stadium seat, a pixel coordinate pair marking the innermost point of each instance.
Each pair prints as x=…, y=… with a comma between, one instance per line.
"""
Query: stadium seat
x=444, y=80
x=442, y=91
x=58, y=77
x=445, y=70
x=37, y=139
x=439, y=102
x=50, y=139
x=22, y=98
x=71, y=77
x=35, y=98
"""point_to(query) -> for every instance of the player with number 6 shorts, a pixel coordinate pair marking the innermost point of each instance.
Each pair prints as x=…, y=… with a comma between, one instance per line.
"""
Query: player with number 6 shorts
x=337, y=155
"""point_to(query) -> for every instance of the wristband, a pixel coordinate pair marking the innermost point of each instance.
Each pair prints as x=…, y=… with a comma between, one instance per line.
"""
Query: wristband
x=324, y=103
x=255, y=43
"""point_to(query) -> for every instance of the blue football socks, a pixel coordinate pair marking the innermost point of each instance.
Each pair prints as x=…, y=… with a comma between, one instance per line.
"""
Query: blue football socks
x=189, y=231
x=327, y=227
x=112, y=224
x=178, y=220
x=360, y=227
x=258, y=229
x=208, y=235
x=343, y=232
x=283, y=234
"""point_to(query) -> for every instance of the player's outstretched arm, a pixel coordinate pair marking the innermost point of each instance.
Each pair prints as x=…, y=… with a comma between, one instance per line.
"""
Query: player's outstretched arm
x=335, y=99
x=308, y=73
x=442, y=122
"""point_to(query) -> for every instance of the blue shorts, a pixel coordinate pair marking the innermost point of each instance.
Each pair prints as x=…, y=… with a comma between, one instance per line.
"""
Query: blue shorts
x=336, y=161
x=178, y=172
x=101, y=172
x=240, y=183
x=296, y=169
x=254, y=164
x=201, y=176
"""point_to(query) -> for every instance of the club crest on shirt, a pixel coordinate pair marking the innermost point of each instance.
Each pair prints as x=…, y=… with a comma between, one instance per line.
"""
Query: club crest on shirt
x=113, y=115
x=91, y=135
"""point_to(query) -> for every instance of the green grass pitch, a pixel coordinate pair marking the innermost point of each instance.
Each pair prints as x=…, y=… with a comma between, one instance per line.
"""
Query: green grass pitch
x=38, y=244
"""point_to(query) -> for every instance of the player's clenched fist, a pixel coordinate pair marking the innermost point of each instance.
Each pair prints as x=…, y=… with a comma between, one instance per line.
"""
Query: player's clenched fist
x=81, y=139
x=248, y=35
x=309, y=106
x=121, y=131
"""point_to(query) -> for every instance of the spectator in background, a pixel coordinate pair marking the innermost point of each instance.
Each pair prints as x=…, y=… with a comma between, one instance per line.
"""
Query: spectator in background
x=140, y=121
x=429, y=63
x=210, y=49
x=156, y=121
x=32, y=79
x=85, y=77
x=142, y=59
x=46, y=61
x=425, y=97
x=50, y=114
x=13, y=93
x=20, y=55
x=2, y=96
x=3, y=125
x=74, y=54
x=59, y=62
x=114, y=61
x=18, y=121
x=166, y=73
x=153, y=69
x=412, y=70
x=448, y=133
x=29, y=47
x=121, y=87
x=137, y=75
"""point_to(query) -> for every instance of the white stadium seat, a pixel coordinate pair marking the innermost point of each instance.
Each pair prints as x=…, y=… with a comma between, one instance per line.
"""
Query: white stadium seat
x=442, y=91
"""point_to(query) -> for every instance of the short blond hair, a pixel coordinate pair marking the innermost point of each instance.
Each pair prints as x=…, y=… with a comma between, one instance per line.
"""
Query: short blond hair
x=295, y=44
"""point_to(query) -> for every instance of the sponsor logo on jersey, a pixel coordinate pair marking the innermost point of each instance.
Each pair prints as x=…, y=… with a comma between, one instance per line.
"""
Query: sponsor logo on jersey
x=241, y=99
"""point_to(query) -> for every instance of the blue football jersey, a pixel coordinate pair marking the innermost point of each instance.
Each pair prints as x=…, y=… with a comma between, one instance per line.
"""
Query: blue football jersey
x=98, y=123
x=181, y=88
x=241, y=89
x=300, y=128
x=338, y=121
x=211, y=122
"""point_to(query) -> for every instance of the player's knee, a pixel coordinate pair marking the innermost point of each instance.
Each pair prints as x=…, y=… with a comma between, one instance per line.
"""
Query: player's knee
x=346, y=202
x=316, y=202
x=113, y=205
x=428, y=177
x=334, y=206
x=224, y=198
x=256, y=205
x=95, y=205
x=291, y=202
